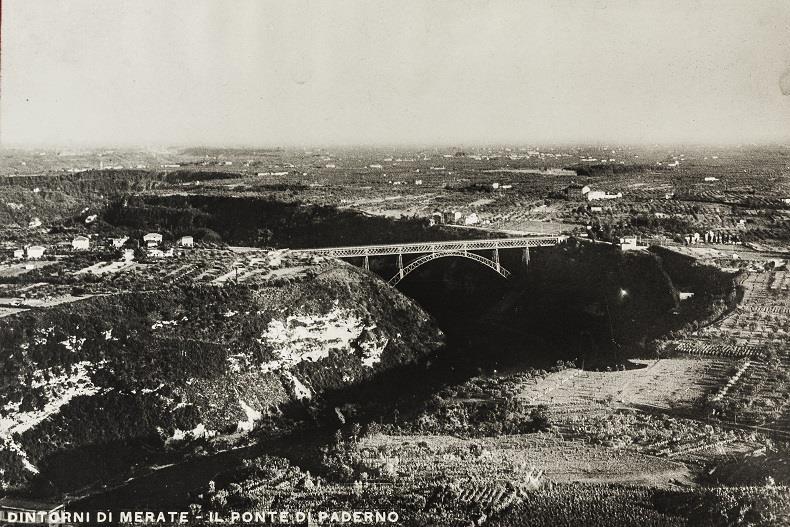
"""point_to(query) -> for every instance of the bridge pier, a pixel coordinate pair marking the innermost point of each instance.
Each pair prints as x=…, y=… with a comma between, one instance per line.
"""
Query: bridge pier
x=400, y=265
x=525, y=257
x=496, y=259
x=366, y=263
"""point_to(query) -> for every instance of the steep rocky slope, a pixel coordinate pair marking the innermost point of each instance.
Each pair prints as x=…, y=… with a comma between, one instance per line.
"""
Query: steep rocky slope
x=89, y=386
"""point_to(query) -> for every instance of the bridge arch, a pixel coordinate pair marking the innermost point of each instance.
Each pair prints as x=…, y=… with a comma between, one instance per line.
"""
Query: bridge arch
x=402, y=273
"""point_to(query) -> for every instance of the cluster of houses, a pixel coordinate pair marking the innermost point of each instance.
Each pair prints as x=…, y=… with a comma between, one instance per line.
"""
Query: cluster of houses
x=695, y=238
x=152, y=243
x=577, y=191
x=453, y=218
x=31, y=252
x=417, y=182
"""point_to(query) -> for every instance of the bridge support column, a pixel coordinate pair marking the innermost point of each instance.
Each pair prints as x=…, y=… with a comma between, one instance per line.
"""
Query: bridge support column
x=400, y=265
x=525, y=257
x=496, y=259
x=366, y=263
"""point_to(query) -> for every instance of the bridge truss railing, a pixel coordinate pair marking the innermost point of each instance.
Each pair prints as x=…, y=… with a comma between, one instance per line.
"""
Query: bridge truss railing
x=435, y=247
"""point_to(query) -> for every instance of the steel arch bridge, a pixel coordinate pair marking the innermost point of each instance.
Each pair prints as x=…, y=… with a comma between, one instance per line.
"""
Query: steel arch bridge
x=432, y=250
x=404, y=271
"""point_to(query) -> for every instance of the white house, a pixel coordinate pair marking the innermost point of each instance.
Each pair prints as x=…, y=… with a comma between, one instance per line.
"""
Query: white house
x=600, y=194
x=472, y=219
x=152, y=239
x=628, y=243
x=80, y=243
x=128, y=255
x=118, y=242
x=35, y=251
x=159, y=253
x=186, y=241
x=19, y=253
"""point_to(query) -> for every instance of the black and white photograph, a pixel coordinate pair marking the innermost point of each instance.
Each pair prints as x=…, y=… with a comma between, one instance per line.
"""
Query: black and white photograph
x=500, y=263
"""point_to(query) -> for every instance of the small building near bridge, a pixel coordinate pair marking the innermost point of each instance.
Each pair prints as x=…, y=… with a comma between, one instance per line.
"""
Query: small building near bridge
x=152, y=239
x=35, y=252
x=629, y=243
x=472, y=219
x=118, y=242
x=80, y=243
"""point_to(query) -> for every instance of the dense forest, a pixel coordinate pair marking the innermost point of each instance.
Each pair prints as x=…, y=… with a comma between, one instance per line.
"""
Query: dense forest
x=268, y=222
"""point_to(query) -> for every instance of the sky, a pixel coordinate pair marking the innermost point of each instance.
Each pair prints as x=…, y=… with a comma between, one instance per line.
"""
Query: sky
x=303, y=72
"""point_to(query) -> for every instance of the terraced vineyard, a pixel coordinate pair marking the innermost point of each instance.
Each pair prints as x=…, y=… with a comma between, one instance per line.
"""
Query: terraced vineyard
x=659, y=383
x=515, y=459
x=593, y=505
x=760, y=320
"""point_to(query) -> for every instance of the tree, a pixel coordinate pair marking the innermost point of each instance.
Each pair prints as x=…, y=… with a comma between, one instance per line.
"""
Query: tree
x=540, y=417
x=356, y=431
x=263, y=237
x=207, y=235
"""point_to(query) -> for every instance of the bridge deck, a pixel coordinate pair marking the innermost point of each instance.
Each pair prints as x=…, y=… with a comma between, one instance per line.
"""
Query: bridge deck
x=431, y=247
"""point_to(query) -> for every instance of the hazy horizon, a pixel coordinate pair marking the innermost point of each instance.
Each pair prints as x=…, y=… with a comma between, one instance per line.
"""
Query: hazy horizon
x=394, y=146
x=350, y=74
